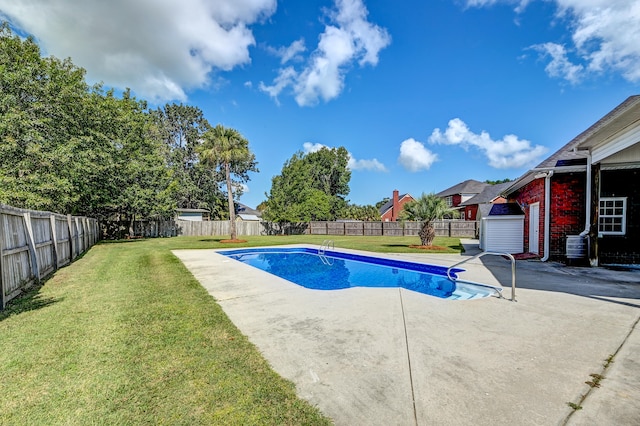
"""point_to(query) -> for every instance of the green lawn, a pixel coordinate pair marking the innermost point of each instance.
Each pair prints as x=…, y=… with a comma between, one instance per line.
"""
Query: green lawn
x=126, y=335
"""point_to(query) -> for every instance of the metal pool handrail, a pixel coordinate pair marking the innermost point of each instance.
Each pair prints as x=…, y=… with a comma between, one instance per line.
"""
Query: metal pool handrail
x=325, y=246
x=513, y=269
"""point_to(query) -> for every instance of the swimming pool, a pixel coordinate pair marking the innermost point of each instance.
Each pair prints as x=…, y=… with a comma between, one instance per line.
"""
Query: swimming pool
x=334, y=270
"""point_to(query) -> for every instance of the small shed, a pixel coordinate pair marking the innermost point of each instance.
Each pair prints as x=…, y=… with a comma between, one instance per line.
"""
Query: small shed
x=502, y=228
x=195, y=215
x=247, y=217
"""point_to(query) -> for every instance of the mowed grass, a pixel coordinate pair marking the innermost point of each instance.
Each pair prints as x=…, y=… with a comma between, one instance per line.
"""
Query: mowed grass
x=126, y=335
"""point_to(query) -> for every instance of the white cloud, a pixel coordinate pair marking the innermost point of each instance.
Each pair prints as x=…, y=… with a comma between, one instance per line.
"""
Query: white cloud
x=604, y=33
x=291, y=52
x=508, y=152
x=560, y=66
x=350, y=38
x=158, y=48
x=313, y=147
x=353, y=164
x=373, y=165
x=415, y=157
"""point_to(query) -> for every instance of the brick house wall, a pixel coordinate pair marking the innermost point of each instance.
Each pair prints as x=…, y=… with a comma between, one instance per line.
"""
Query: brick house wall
x=531, y=193
x=567, y=215
x=470, y=212
x=567, y=211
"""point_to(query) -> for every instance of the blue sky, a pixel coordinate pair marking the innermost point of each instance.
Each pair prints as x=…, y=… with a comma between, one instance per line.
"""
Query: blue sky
x=423, y=94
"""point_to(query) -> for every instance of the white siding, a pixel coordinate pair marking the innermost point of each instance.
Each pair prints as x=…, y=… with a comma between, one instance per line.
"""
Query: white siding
x=503, y=234
x=196, y=217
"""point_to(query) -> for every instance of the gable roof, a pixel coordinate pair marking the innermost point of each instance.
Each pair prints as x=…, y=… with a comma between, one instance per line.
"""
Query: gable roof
x=386, y=206
x=573, y=155
x=469, y=186
x=488, y=194
x=244, y=209
x=506, y=209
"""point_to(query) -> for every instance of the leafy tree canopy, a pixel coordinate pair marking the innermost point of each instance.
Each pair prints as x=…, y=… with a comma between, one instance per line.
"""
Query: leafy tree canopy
x=68, y=147
x=311, y=186
x=494, y=182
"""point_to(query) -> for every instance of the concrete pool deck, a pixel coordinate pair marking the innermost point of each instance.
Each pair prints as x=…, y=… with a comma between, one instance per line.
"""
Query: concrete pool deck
x=389, y=356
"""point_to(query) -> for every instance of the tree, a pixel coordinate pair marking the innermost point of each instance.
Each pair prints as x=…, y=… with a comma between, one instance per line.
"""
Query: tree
x=181, y=128
x=357, y=212
x=494, y=182
x=427, y=208
x=311, y=186
x=382, y=202
x=41, y=109
x=225, y=148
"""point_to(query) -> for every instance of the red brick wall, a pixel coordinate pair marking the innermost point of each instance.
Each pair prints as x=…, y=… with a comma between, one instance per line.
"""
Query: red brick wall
x=470, y=212
x=531, y=193
x=567, y=210
x=456, y=200
x=391, y=215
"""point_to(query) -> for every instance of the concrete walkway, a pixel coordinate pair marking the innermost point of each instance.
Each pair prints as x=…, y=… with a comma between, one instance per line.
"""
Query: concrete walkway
x=379, y=356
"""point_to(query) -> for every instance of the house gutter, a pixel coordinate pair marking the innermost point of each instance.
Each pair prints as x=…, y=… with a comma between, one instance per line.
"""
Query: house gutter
x=547, y=214
x=587, y=197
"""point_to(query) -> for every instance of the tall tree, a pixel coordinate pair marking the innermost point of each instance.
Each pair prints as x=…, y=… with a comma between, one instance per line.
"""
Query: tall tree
x=427, y=208
x=181, y=127
x=311, y=186
x=41, y=108
x=225, y=148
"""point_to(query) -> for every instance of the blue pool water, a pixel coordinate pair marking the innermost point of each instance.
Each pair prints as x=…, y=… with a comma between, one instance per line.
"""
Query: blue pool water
x=336, y=270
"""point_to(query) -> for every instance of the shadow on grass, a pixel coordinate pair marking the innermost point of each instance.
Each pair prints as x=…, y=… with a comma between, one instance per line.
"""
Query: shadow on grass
x=132, y=240
x=457, y=247
x=31, y=300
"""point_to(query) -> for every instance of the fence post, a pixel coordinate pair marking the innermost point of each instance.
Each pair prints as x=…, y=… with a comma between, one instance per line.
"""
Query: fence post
x=72, y=243
x=54, y=238
x=35, y=269
x=2, y=283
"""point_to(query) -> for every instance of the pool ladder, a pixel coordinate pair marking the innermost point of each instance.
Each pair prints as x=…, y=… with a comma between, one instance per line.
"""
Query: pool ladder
x=497, y=289
x=326, y=244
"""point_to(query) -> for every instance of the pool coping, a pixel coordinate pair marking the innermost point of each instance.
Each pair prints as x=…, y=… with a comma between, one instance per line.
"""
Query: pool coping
x=390, y=356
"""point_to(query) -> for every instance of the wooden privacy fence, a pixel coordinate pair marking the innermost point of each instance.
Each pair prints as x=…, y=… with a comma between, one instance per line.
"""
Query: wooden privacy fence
x=171, y=228
x=34, y=244
x=444, y=228
x=188, y=228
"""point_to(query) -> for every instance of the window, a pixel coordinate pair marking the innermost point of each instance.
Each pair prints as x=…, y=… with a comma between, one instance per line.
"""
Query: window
x=449, y=201
x=612, y=216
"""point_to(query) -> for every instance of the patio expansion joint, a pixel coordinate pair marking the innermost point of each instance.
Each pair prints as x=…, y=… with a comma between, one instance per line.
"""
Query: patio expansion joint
x=406, y=341
x=603, y=370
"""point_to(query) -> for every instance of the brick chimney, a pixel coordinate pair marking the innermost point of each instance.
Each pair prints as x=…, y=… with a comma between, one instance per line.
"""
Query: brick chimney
x=396, y=206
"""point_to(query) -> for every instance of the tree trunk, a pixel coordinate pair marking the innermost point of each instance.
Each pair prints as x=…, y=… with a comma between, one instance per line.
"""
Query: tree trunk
x=427, y=233
x=232, y=208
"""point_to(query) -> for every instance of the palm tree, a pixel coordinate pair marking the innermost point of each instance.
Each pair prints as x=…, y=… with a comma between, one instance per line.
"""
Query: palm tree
x=427, y=208
x=226, y=148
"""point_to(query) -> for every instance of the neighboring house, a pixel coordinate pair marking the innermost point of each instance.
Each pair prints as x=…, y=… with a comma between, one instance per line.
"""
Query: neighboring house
x=491, y=194
x=461, y=192
x=246, y=213
x=390, y=211
x=587, y=191
x=197, y=215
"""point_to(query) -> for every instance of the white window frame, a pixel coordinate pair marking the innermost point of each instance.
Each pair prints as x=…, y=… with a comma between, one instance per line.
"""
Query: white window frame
x=449, y=200
x=602, y=214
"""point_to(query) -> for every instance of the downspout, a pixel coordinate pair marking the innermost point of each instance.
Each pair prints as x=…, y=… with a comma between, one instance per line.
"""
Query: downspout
x=547, y=215
x=587, y=219
x=587, y=197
